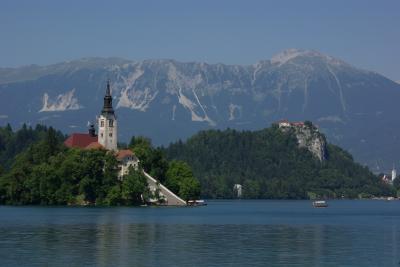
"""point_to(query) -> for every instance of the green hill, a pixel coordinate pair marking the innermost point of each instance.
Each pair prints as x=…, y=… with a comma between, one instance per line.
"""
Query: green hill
x=270, y=163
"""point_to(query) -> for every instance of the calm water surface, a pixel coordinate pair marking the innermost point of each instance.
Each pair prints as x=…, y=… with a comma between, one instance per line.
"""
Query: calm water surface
x=224, y=233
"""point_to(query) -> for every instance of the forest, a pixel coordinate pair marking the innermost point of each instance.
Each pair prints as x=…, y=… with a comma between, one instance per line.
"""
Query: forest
x=37, y=169
x=269, y=164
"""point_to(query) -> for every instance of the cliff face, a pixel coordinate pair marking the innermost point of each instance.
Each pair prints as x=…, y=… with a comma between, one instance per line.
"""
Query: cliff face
x=308, y=136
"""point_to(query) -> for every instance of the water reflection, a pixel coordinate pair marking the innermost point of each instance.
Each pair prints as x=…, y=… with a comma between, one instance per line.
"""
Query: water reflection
x=109, y=238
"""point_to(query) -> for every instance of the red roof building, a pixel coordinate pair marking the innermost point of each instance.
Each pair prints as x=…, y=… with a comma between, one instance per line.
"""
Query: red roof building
x=298, y=124
x=80, y=140
x=124, y=153
x=126, y=159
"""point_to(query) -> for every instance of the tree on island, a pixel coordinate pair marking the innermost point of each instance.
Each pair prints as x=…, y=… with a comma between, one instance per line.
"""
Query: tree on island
x=180, y=179
x=134, y=187
x=46, y=172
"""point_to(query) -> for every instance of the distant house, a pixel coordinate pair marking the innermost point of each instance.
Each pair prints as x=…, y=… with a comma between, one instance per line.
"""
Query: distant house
x=286, y=124
x=387, y=179
x=283, y=123
x=298, y=124
x=390, y=178
x=126, y=159
x=237, y=189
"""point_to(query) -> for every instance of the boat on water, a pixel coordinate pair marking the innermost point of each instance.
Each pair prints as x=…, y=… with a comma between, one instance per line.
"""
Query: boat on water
x=198, y=202
x=320, y=204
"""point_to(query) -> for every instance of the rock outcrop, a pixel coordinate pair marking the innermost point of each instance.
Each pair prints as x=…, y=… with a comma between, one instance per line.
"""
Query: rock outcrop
x=308, y=136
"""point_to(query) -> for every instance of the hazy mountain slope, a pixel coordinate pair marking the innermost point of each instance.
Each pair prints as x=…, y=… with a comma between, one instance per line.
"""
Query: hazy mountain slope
x=166, y=99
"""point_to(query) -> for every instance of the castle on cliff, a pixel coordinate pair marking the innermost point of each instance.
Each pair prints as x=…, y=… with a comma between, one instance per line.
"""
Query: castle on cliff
x=308, y=136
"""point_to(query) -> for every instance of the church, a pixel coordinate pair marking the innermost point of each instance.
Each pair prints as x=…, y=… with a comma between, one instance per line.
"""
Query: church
x=107, y=138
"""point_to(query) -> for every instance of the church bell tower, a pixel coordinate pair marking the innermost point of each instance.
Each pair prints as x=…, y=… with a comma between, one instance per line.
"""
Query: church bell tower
x=107, y=133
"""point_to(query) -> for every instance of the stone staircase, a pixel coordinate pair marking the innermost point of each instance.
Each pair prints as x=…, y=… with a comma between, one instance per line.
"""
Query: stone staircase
x=170, y=198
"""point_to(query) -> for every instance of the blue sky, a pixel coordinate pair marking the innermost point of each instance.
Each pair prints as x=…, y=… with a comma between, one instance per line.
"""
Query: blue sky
x=362, y=32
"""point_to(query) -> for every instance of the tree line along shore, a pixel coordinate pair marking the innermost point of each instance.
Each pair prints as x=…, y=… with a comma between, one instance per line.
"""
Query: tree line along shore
x=36, y=168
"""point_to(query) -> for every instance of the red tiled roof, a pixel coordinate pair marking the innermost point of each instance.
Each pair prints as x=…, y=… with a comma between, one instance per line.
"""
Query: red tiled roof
x=94, y=145
x=80, y=140
x=297, y=123
x=124, y=153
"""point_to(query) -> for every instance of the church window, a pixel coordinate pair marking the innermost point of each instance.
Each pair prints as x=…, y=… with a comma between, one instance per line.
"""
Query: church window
x=110, y=123
x=102, y=124
x=110, y=134
x=101, y=134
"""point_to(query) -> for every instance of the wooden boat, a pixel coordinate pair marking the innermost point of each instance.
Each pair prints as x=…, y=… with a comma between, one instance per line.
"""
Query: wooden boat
x=198, y=202
x=320, y=204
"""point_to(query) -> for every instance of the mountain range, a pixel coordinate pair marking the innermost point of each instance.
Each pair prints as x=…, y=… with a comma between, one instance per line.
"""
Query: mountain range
x=165, y=99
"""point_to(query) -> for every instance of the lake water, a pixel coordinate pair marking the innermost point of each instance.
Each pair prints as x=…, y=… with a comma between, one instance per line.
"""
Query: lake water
x=224, y=233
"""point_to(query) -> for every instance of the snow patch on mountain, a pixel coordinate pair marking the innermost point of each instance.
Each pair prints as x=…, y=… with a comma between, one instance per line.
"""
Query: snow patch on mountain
x=136, y=99
x=132, y=97
x=173, y=112
x=191, y=106
x=285, y=56
x=289, y=54
x=342, y=100
x=130, y=81
x=62, y=102
x=178, y=79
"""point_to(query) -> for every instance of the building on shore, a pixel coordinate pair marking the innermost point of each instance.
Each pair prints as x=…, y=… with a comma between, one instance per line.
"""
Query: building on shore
x=237, y=189
x=389, y=179
x=394, y=173
x=107, y=139
x=126, y=159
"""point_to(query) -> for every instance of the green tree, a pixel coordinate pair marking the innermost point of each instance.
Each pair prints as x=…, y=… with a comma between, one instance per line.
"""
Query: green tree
x=133, y=187
x=114, y=196
x=180, y=179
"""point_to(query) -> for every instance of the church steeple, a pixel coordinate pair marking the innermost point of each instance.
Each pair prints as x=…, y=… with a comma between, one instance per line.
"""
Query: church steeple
x=107, y=121
x=107, y=107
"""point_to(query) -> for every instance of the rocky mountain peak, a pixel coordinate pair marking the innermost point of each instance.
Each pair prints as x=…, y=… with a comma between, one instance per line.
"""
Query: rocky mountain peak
x=289, y=55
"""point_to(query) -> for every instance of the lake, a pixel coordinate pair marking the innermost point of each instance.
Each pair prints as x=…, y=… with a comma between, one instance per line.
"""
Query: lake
x=224, y=233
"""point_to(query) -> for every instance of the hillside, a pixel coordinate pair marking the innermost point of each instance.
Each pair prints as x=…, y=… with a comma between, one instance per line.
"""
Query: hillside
x=167, y=100
x=270, y=163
